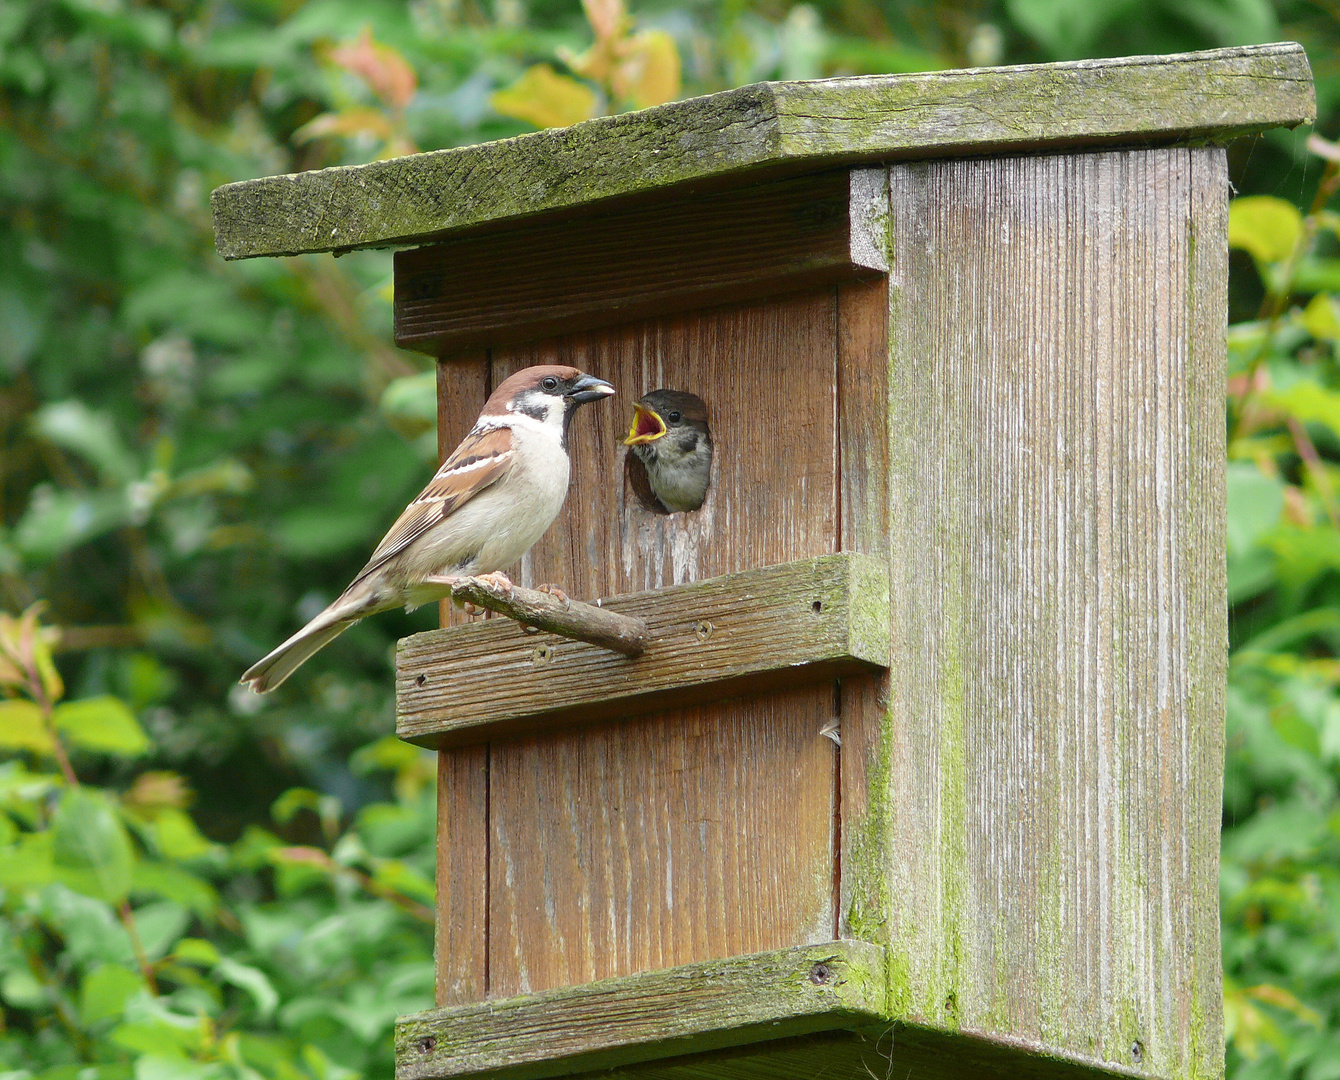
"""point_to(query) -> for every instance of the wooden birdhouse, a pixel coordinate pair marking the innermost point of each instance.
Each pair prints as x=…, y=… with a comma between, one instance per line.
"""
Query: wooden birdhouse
x=961, y=337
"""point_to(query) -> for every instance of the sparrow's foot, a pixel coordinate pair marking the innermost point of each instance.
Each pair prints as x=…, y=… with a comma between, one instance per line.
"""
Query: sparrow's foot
x=498, y=582
x=557, y=593
x=472, y=611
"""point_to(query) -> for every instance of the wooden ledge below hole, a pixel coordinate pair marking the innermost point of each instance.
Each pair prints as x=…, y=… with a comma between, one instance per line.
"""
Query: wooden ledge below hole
x=838, y=985
x=778, y=626
x=809, y=1011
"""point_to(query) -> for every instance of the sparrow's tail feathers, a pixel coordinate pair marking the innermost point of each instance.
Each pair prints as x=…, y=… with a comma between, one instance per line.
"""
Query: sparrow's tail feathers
x=272, y=669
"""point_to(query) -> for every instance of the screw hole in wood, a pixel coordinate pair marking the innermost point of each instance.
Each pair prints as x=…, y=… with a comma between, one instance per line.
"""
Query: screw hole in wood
x=817, y=606
x=419, y=680
x=428, y=1044
x=1137, y=1052
x=543, y=654
x=820, y=973
x=703, y=630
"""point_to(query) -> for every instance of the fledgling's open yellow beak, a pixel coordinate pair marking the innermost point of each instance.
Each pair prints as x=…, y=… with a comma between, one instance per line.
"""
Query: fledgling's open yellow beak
x=647, y=426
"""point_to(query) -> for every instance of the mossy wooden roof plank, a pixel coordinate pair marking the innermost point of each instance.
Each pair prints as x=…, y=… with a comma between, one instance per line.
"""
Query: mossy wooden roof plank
x=768, y=130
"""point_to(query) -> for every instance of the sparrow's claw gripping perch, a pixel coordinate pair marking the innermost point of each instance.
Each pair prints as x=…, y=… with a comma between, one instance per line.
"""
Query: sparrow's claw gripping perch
x=472, y=611
x=497, y=582
x=557, y=593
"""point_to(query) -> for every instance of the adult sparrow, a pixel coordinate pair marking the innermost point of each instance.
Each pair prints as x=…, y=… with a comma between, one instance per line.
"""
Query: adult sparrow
x=496, y=494
x=670, y=437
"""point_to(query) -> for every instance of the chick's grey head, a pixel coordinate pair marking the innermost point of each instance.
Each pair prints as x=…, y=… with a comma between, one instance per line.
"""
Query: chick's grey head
x=671, y=438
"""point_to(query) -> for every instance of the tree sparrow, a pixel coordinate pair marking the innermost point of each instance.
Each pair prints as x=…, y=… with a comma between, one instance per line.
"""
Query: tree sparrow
x=670, y=437
x=496, y=494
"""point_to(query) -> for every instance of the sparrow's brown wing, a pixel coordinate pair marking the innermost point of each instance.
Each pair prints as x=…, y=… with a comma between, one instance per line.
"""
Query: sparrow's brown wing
x=482, y=458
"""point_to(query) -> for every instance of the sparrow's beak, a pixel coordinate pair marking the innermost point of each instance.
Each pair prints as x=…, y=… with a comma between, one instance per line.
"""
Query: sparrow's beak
x=647, y=426
x=589, y=388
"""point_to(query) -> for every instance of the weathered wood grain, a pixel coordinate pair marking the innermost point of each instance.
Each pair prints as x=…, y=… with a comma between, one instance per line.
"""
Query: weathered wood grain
x=800, y=622
x=767, y=372
x=697, y=835
x=1040, y=842
x=765, y=131
x=863, y=442
x=462, y=388
x=460, y=940
x=834, y=985
x=461, y=936
x=531, y=279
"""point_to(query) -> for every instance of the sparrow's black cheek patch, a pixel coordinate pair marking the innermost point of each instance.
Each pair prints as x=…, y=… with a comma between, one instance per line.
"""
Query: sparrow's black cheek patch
x=534, y=409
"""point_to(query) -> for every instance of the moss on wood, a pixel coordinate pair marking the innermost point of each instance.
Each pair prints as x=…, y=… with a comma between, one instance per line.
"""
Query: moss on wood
x=767, y=130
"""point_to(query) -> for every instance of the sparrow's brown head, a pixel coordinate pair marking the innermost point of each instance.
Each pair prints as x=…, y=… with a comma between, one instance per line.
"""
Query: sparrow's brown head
x=533, y=390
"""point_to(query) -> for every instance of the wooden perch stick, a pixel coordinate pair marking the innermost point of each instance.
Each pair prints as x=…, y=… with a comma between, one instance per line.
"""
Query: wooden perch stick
x=567, y=618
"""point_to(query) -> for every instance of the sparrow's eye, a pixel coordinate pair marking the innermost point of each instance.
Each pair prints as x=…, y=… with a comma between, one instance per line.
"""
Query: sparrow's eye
x=549, y=382
x=674, y=417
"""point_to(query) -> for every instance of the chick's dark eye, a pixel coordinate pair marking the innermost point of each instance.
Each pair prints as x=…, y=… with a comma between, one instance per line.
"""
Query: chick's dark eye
x=674, y=417
x=549, y=383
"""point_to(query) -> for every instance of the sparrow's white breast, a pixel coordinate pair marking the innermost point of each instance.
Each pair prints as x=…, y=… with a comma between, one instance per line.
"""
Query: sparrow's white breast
x=500, y=524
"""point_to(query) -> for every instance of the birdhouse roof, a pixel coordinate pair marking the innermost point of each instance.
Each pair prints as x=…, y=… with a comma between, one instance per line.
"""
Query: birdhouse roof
x=766, y=131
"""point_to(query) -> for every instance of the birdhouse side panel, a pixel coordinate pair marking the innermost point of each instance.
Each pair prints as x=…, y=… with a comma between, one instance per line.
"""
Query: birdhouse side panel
x=1039, y=843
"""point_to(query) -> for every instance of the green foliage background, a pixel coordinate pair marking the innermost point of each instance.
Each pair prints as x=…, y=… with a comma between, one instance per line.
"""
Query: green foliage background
x=194, y=456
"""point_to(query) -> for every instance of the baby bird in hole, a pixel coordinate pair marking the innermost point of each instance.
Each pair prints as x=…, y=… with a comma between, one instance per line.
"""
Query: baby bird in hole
x=670, y=437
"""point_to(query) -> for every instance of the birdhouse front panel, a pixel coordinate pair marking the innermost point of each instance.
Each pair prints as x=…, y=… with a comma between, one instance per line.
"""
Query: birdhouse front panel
x=698, y=833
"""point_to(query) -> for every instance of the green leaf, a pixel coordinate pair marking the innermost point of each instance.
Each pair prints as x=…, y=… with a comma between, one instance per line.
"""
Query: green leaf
x=20, y=988
x=1321, y=318
x=103, y=724
x=161, y=1067
x=90, y=848
x=196, y=951
x=1266, y=227
x=411, y=401
x=177, y=836
x=158, y=1036
x=161, y=925
x=105, y=991
x=92, y=435
x=1065, y=28
x=254, y=981
x=180, y=886
x=21, y=728
x=388, y=752
x=56, y=521
x=27, y=864
x=1255, y=502
x=545, y=98
x=1308, y=401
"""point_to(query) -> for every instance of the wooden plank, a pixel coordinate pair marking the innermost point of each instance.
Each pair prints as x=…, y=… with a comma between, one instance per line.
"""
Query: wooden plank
x=765, y=131
x=531, y=279
x=773, y=499
x=697, y=835
x=1048, y=771
x=863, y=441
x=461, y=935
x=743, y=999
x=800, y=622
x=462, y=388
x=763, y=369
x=460, y=940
